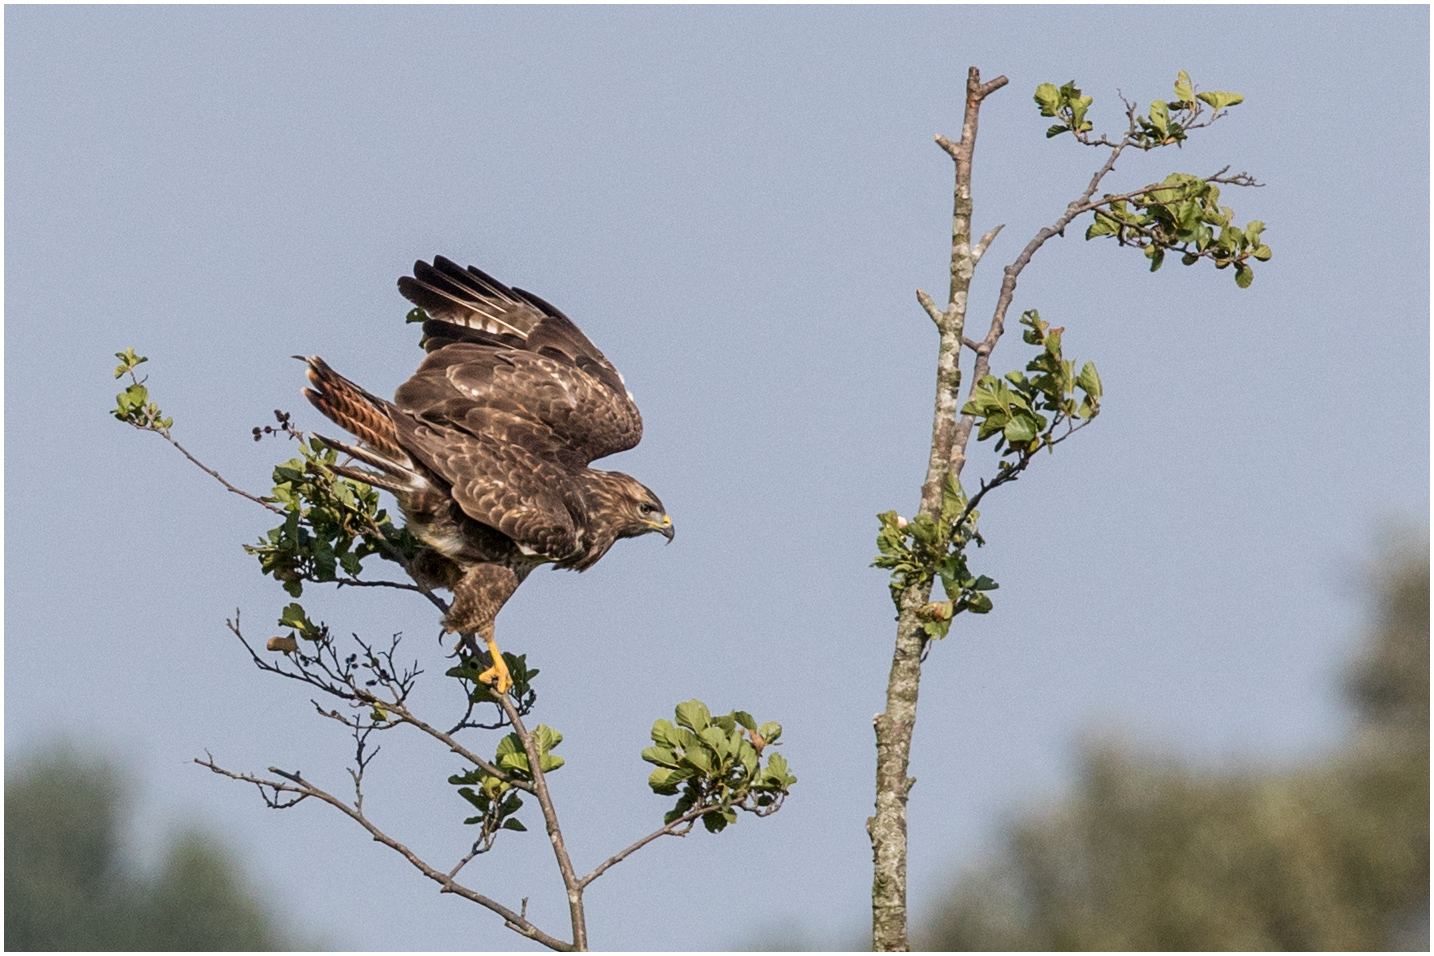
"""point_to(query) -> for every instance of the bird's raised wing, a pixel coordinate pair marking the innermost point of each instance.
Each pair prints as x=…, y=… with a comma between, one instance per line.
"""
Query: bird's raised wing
x=494, y=347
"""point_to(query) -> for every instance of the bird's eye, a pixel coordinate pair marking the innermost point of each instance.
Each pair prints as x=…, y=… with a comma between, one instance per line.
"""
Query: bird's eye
x=646, y=508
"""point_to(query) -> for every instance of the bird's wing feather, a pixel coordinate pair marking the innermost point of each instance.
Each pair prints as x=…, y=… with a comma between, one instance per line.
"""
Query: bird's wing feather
x=503, y=484
x=561, y=411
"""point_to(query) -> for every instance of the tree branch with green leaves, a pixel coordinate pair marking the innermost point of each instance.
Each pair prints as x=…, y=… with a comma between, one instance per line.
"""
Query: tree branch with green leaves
x=1023, y=412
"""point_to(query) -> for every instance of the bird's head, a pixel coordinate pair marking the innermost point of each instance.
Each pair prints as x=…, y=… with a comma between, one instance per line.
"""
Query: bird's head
x=636, y=508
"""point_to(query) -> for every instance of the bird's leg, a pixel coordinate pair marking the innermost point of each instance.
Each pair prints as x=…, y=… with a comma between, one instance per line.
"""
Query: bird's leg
x=477, y=598
x=497, y=675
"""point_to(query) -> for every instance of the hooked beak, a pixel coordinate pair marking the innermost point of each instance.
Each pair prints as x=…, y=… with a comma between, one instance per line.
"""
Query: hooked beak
x=665, y=528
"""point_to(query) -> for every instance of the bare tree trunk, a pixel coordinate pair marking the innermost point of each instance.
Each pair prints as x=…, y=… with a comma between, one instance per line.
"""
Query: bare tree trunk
x=894, y=727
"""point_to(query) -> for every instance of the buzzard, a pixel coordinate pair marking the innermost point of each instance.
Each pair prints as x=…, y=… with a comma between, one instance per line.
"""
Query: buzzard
x=487, y=446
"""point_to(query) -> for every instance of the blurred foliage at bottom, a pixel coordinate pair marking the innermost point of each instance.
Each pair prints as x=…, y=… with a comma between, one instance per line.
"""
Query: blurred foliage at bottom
x=1149, y=854
x=67, y=885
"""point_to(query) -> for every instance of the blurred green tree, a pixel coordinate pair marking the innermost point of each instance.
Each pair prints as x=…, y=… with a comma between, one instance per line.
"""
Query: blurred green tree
x=1149, y=854
x=67, y=886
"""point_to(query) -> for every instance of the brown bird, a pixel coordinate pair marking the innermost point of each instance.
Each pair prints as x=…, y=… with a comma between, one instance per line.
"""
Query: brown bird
x=487, y=446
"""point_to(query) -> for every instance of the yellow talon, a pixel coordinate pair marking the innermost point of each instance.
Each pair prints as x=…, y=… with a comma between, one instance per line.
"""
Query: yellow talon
x=497, y=675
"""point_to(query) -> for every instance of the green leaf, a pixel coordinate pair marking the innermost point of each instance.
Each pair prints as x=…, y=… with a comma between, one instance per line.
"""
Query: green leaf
x=1089, y=380
x=1021, y=428
x=515, y=825
x=661, y=756
x=698, y=758
x=1160, y=117
x=1244, y=275
x=1184, y=92
x=128, y=362
x=953, y=497
x=1048, y=98
x=1219, y=100
x=694, y=715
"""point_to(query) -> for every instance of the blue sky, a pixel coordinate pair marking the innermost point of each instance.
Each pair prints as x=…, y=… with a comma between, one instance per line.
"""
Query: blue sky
x=736, y=204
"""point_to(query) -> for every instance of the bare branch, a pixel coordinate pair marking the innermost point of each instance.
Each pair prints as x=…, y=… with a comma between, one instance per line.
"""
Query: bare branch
x=679, y=827
x=929, y=305
x=980, y=248
x=164, y=433
x=356, y=583
x=296, y=784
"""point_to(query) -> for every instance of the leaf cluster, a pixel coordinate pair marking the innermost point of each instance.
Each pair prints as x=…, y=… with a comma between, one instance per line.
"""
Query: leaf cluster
x=132, y=406
x=1023, y=412
x=331, y=524
x=496, y=798
x=1183, y=215
x=1167, y=122
x=1066, y=104
x=715, y=765
x=919, y=551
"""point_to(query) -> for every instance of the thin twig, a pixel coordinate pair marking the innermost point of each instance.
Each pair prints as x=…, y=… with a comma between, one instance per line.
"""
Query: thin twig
x=1014, y=471
x=164, y=433
x=348, y=689
x=356, y=583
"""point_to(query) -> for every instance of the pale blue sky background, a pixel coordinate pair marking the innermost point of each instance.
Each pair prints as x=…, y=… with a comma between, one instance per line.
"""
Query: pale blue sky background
x=737, y=205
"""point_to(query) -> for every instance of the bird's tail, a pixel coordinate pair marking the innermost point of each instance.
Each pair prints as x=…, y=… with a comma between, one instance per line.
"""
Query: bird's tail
x=370, y=419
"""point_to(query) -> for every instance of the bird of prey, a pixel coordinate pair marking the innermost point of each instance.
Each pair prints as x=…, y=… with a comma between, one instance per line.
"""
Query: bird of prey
x=487, y=446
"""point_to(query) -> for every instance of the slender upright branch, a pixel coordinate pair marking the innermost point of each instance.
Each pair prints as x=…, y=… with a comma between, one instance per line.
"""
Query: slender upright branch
x=887, y=827
x=571, y=883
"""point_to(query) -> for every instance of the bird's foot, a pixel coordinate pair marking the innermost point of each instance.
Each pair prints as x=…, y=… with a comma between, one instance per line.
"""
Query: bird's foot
x=497, y=676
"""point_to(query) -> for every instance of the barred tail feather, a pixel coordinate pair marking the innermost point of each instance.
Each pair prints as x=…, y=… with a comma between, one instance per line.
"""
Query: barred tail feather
x=353, y=409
